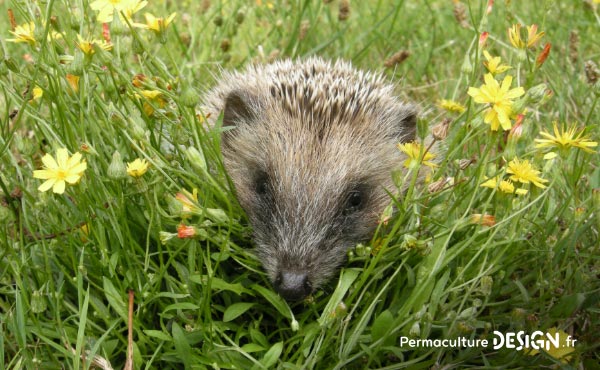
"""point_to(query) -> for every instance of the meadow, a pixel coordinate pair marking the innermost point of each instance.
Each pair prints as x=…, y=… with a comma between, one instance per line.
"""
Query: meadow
x=122, y=245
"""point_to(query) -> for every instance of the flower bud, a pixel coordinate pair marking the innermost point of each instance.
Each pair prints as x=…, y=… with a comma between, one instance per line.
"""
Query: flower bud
x=239, y=17
x=103, y=56
x=38, y=302
x=117, y=27
x=117, y=169
x=537, y=93
x=11, y=65
x=189, y=97
x=294, y=325
x=520, y=105
x=165, y=237
x=217, y=215
x=115, y=116
x=415, y=330
x=196, y=159
x=466, y=67
x=175, y=207
x=137, y=46
x=440, y=131
x=486, y=284
x=218, y=21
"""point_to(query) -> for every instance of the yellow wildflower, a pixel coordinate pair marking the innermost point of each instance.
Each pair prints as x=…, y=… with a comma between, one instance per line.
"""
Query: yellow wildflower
x=565, y=139
x=73, y=81
x=451, y=106
x=152, y=96
x=500, y=99
x=37, y=93
x=532, y=36
x=87, y=46
x=505, y=186
x=107, y=8
x=189, y=202
x=514, y=36
x=483, y=219
x=137, y=168
x=63, y=170
x=413, y=151
x=24, y=33
x=493, y=64
x=564, y=348
x=156, y=25
x=524, y=172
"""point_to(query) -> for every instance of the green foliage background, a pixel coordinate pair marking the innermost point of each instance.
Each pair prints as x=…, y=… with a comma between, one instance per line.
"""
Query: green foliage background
x=67, y=262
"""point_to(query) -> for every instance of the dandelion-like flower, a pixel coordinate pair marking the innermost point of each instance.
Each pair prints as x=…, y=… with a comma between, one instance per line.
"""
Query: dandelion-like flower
x=57, y=172
x=37, y=93
x=152, y=96
x=533, y=37
x=107, y=8
x=500, y=98
x=24, y=33
x=137, y=168
x=524, y=172
x=563, y=140
x=505, y=186
x=87, y=46
x=494, y=64
x=451, y=106
x=413, y=151
x=189, y=202
x=514, y=36
x=158, y=25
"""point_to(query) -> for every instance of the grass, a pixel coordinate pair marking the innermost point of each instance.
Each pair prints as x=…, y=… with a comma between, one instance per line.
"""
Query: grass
x=434, y=271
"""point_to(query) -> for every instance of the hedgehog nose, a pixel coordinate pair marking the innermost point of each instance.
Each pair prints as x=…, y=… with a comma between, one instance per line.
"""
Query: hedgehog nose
x=293, y=285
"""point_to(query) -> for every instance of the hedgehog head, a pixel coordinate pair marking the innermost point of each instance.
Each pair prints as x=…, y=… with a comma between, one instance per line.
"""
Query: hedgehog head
x=310, y=148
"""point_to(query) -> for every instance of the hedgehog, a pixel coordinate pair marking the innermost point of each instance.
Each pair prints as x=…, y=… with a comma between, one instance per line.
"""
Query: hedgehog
x=310, y=146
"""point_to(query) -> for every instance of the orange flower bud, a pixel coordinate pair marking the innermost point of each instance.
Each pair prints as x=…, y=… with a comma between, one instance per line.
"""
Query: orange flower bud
x=543, y=55
x=185, y=232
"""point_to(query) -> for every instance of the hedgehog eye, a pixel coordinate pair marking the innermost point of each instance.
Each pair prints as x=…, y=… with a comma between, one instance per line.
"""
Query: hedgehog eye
x=354, y=202
x=261, y=184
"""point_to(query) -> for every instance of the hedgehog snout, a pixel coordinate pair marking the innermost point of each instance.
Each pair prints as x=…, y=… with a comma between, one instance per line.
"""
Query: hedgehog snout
x=293, y=285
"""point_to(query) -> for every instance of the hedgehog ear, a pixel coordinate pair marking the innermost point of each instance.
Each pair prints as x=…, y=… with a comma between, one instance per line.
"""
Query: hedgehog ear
x=407, y=128
x=239, y=107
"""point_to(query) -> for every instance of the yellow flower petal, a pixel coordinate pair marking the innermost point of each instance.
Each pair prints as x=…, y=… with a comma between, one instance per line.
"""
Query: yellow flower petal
x=47, y=185
x=49, y=162
x=59, y=187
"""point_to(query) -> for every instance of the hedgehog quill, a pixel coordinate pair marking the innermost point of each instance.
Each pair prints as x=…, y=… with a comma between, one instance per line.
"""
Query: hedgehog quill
x=311, y=149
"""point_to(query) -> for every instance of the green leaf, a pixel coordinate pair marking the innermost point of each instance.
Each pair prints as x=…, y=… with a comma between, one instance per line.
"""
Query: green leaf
x=279, y=303
x=218, y=284
x=158, y=335
x=235, y=310
x=181, y=306
x=272, y=355
x=182, y=347
x=252, y=347
x=115, y=299
x=346, y=279
x=81, y=329
x=381, y=325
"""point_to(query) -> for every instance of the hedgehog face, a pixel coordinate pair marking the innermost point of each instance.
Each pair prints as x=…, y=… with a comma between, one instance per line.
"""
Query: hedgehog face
x=311, y=149
x=312, y=187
